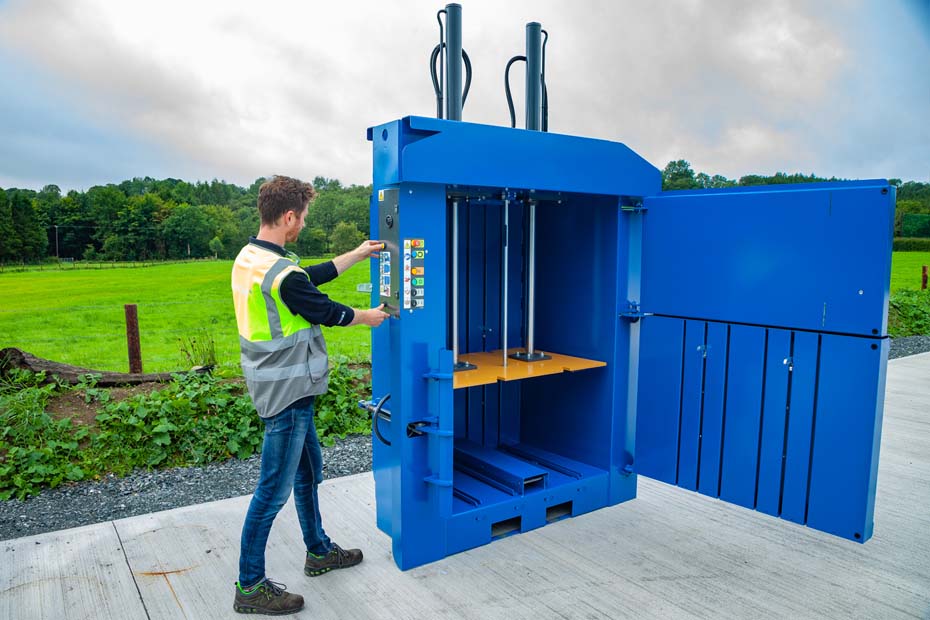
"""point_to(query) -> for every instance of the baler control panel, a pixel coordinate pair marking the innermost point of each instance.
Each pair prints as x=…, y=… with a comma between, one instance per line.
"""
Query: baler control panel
x=414, y=273
x=402, y=269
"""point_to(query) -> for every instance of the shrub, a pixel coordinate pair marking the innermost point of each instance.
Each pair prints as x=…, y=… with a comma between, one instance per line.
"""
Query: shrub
x=911, y=244
x=909, y=313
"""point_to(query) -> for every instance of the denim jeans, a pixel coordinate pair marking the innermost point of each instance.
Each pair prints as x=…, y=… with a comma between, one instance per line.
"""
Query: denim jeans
x=291, y=459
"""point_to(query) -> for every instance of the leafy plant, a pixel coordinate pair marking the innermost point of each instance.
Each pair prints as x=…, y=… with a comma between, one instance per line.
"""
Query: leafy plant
x=337, y=411
x=195, y=419
x=909, y=313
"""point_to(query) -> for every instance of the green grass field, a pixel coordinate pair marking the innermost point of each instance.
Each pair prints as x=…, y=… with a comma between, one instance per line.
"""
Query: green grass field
x=77, y=317
x=905, y=269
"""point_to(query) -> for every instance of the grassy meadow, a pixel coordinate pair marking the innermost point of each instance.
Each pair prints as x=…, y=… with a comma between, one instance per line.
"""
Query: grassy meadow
x=905, y=269
x=76, y=316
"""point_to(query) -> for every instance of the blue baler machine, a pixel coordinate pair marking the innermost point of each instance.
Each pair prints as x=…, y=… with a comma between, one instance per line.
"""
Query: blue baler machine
x=560, y=325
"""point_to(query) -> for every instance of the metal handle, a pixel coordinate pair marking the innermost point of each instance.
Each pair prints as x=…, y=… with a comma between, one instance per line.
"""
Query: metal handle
x=377, y=411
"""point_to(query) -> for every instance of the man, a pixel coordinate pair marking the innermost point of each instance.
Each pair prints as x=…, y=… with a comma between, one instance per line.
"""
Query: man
x=279, y=311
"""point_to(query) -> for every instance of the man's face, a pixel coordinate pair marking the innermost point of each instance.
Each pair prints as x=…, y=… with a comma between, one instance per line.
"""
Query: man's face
x=294, y=223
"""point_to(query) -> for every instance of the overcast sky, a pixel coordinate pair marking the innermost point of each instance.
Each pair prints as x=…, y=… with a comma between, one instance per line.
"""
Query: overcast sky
x=97, y=91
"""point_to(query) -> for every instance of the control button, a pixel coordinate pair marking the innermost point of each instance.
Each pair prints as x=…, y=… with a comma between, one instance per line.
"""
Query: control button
x=418, y=281
x=417, y=303
x=417, y=271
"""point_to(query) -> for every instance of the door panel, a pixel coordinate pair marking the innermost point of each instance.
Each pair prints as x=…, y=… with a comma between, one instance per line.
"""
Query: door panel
x=763, y=349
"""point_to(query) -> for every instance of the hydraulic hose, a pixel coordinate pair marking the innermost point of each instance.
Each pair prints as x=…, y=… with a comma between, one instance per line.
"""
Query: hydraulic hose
x=545, y=92
x=513, y=115
x=437, y=52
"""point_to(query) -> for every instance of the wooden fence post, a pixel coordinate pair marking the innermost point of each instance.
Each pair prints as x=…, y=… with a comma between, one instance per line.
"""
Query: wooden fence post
x=923, y=278
x=132, y=338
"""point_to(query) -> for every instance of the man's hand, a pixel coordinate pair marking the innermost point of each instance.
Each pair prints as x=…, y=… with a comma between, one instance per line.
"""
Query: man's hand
x=373, y=317
x=368, y=249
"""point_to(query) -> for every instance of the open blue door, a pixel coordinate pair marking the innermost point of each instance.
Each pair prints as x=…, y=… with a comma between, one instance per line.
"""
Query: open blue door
x=763, y=352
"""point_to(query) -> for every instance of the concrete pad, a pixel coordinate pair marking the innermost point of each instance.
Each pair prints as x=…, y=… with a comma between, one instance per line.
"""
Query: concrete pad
x=668, y=554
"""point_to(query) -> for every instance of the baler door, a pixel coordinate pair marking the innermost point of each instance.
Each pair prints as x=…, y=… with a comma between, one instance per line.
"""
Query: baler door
x=763, y=352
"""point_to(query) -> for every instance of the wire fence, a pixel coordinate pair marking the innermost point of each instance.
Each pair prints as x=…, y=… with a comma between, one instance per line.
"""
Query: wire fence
x=173, y=335
x=73, y=265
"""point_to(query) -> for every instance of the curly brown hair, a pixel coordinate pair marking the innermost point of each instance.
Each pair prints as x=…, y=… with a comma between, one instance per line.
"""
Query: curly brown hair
x=281, y=194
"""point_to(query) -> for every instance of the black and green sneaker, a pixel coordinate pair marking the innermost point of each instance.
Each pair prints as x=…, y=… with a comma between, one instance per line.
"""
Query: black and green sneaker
x=336, y=558
x=267, y=598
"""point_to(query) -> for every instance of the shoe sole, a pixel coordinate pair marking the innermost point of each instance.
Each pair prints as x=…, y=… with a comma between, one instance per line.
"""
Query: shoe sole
x=322, y=571
x=256, y=610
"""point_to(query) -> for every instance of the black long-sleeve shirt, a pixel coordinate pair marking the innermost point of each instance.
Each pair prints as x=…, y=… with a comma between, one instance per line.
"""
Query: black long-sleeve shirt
x=302, y=297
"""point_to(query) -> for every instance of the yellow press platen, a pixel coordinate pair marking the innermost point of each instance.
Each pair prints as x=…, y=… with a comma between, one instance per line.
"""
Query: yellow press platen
x=490, y=368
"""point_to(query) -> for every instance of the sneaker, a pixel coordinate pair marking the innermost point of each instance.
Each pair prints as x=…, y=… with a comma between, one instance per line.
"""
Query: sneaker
x=336, y=558
x=267, y=598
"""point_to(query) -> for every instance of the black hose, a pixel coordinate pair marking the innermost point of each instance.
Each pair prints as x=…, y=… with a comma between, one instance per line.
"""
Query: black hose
x=436, y=88
x=437, y=51
x=545, y=91
x=513, y=115
x=467, y=77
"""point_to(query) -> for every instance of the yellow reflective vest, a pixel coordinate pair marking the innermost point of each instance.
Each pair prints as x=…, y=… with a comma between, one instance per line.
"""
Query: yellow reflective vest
x=283, y=355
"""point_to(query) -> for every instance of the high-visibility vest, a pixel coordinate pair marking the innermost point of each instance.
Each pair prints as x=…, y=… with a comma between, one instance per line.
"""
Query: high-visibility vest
x=283, y=355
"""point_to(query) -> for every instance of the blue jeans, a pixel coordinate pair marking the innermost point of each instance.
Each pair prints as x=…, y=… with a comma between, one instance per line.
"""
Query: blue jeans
x=291, y=459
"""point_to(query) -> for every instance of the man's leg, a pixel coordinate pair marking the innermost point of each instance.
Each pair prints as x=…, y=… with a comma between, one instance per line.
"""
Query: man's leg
x=322, y=554
x=306, y=481
x=281, y=453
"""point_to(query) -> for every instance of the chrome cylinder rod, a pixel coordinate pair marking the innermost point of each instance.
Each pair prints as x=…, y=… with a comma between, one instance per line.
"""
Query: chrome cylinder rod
x=531, y=278
x=455, y=282
x=504, y=280
x=531, y=354
x=456, y=364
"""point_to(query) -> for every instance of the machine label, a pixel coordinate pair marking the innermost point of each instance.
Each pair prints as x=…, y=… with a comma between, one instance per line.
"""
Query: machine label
x=414, y=258
x=385, y=274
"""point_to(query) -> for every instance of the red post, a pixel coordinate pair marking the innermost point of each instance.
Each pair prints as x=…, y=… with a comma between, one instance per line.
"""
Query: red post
x=923, y=278
x=132, y=338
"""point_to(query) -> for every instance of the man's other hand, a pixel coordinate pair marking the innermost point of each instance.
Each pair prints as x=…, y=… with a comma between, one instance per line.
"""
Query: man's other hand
x=372, y=317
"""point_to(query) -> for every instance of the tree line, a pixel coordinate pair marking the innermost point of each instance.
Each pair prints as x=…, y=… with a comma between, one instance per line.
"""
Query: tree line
x=912, y=206
x=150, y=219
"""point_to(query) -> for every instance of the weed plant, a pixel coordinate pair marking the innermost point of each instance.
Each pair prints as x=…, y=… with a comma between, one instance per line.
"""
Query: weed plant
x=193, y=420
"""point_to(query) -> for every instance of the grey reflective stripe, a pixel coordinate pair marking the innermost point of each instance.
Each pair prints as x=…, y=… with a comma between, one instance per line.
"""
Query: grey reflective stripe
x=275, y=374
x=274, y=319
x=278, y=344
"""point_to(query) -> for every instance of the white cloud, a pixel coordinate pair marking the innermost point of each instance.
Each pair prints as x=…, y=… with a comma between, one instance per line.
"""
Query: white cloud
x=237, y=91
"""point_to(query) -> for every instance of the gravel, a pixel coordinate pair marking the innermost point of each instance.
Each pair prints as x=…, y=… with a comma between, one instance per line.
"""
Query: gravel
x=144, y=492
x=902, y=347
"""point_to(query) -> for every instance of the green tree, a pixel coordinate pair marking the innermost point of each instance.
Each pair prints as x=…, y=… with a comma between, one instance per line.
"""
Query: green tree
x=345, y=237
x=678, y=175
x=187, y=232
x=216, y=246
x=28, y=226
x=311, y=242
x=105, y=203
x=9, y=240
x=76, y=226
